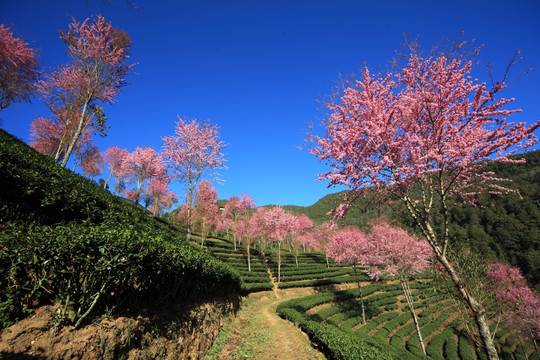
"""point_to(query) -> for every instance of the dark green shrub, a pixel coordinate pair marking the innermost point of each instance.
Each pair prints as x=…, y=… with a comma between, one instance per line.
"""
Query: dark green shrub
x=87, y=266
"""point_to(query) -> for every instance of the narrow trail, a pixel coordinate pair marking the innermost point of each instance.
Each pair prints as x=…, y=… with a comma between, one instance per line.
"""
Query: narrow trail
x=258, y=333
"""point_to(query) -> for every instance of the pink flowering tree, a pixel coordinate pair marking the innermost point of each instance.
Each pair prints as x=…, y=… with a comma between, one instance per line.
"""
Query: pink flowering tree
x=95, y=75
x=194, y=151
x=45, y=136
x=321, y=236
x=350, y=245
x=182, y=216
x=294, y=230
x=304, y=226
x=90, y=160
x=259, y=228
x=160, y=198
x=206, y=209
x=522, y=305
x=18, y=69
x=140, y=167
x=236, y=209
x=280, y=224
x=429, y=126
x=114, y=158
x=224, y=224
x=396, y=253
x=305, y=240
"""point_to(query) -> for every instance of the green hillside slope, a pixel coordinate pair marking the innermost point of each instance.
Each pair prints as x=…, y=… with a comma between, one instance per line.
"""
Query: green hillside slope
x=65, y=240
x=502, y=226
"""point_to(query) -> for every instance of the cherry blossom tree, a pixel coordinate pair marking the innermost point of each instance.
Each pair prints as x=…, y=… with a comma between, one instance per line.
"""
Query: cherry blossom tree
x=45, y=135
x=259, y=228
x=350, y=245
x=321, y=236
x=236, y=210
x=140, y=167
x=18, y=69
x=306, y=240
x=182, y=216
x=430, y=127
x=522, y=305
x=304, y=225
x=193, y=152
x=160, y=198
x=206, y=208
x=396, y=253
x=90, y=159
x=114, y=158
x=280, y=224
x=96, y=73
x=224, y=224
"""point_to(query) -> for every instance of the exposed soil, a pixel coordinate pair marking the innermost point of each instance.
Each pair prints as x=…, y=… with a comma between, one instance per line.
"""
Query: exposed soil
x=176, y=334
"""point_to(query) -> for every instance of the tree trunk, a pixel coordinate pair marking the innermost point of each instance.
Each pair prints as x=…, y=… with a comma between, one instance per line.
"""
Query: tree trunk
x=249, y=259
x=360, y=293
x=476, y=308
x=522, y=347
x=77, y=133
x=408, y=296
x=440, y=252
x=109, y=179
x=279, y=262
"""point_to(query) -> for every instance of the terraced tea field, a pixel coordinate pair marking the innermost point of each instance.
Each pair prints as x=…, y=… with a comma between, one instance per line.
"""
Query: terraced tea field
x=332, y=315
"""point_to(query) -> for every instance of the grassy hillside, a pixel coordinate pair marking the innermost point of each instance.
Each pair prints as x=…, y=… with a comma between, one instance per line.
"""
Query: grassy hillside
x=65, y=240
x=503, y=226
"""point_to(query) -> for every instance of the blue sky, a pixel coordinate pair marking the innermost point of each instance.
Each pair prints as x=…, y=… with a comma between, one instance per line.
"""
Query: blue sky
x=258, y=68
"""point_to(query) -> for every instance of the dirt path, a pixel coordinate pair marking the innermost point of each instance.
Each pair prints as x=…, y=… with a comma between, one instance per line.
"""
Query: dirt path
x=257, y=332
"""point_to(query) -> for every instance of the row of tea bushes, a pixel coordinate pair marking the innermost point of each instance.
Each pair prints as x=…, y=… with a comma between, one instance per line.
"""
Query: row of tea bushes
x=65, y=239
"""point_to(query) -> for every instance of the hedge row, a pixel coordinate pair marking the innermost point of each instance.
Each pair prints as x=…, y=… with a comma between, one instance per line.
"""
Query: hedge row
x=338, y=344
x=90, y=266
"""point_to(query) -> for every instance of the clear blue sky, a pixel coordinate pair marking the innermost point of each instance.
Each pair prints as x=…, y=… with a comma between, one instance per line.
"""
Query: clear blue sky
x=257, y=68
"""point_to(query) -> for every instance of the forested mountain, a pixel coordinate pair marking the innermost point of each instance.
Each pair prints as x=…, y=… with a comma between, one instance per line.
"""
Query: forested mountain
x=502, y=226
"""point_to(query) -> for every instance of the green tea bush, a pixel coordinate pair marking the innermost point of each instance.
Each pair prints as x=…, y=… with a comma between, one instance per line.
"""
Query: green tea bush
x=464, y=348
x=450, y=349
x=89, y=266
x=35, y=188
x=65, y=239
x=338, y=344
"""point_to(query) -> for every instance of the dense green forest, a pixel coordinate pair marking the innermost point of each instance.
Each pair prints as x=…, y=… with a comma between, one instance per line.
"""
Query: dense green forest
x=502, y=226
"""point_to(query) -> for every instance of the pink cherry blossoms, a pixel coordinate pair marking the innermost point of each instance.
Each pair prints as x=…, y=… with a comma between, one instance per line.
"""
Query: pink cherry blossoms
x=18, y=69
x=522, y=303
x=97, y=71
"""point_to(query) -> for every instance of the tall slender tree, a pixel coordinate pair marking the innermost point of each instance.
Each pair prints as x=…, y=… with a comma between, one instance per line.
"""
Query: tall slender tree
x=140, y=166
x=95, y=74
x=394, y=252
x=114, y=158
x=429, y=127
x=206, y=209
x=194, y=151
x=350, y=245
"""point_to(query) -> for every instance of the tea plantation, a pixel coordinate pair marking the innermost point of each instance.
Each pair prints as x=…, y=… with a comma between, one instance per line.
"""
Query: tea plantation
x=66, y=240
x=333, y=319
